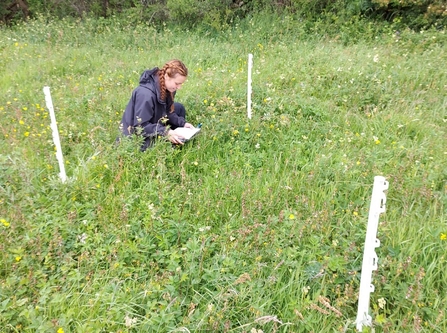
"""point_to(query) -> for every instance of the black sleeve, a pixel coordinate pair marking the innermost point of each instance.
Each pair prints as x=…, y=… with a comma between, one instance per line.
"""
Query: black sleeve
x=144, y=108
x=175, y=120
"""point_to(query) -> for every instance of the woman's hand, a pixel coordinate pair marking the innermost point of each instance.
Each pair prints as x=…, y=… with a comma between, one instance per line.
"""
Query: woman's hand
x=175, y=138
x=188, y=125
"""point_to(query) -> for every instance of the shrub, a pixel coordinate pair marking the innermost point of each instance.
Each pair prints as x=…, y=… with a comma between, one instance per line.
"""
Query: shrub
x=416, y=14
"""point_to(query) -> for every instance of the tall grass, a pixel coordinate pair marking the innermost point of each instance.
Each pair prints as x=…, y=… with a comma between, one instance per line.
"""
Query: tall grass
x=256, y=225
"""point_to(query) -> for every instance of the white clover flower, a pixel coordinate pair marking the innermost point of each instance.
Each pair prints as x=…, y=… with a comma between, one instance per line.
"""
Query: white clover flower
x=82, y=238
x=129, y=322
x=205, y=228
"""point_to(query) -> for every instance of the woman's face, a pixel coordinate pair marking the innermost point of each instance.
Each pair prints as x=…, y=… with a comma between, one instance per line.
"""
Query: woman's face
x=174, y=83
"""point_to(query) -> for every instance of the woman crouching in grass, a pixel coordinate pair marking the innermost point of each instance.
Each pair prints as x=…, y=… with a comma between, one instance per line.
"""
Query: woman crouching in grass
x=151, y=111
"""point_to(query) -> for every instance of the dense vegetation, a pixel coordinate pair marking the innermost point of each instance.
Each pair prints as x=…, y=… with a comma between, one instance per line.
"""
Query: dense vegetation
x=416, y=14
x=256, y=225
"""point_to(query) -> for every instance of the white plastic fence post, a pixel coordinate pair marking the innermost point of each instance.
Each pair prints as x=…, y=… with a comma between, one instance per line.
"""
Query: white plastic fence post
x=378, y=200
x=249, y=89
x=56, y=139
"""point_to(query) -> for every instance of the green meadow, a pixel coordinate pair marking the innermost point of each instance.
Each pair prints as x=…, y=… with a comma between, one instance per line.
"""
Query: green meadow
x=257, y=225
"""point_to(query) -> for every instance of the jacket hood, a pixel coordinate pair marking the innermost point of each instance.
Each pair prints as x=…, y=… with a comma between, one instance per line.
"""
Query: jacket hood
x=149, y=80
x=149, y=76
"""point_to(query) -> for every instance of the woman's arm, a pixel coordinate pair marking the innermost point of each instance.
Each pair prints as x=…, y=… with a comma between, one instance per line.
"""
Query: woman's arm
x=175, y=120
x=144, y=119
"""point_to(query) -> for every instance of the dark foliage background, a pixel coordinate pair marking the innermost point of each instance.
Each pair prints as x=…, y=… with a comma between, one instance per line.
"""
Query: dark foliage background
x=415, y=14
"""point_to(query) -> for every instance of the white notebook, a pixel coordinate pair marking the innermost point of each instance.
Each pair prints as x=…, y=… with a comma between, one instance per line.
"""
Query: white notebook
x=187, y=133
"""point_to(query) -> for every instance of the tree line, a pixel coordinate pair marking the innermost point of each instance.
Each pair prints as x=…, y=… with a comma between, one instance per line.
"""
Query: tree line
x=417, y=14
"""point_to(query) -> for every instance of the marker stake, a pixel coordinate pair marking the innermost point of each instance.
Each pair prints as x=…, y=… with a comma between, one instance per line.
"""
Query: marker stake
x=378, y=206
x=249, y=90
x=56, y=139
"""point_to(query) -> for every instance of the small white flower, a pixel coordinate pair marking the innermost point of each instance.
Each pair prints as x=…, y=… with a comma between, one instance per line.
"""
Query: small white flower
x=82, y=238
x=130, y=321
x=254, y=330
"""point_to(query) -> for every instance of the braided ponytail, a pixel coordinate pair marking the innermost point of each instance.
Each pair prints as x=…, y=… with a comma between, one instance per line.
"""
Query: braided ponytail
x=171, y=68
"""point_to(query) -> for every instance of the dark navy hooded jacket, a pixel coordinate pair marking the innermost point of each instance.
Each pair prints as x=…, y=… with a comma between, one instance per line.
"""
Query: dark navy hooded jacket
x=146, y=114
